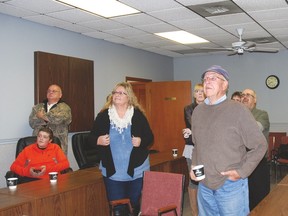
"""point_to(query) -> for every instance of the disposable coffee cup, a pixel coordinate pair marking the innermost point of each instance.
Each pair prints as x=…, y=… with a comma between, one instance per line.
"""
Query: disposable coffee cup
x=199, y=172
x=12, y=183
x=175, y=152
x=53, y=176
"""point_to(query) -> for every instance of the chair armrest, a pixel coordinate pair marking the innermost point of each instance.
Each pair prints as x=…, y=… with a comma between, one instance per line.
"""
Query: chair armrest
x=166, y=209
x=115, y=203
x=66, y=170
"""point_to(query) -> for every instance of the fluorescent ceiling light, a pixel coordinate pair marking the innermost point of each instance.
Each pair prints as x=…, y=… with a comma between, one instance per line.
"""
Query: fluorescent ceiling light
x=105, y=8
x=182, y=37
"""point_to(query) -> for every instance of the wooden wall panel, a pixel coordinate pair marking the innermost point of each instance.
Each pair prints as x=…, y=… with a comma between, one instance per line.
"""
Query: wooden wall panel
x=76, y=78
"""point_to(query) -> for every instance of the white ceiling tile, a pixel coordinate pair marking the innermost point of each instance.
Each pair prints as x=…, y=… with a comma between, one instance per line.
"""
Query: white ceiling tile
x=279, y=32
x=76, y=28
x=46, y=20
x=146, y=38
x=136, y=20
x=124, y=32
x=247, y=27
x=102, y=24
x=98, y=34
x=174, y=14
x=230, y=19
x=277, y=14
x=40, y=6
x=159, y=27
x=255, y=5
x=15, y=11
x=74, y=15
x=275, y=24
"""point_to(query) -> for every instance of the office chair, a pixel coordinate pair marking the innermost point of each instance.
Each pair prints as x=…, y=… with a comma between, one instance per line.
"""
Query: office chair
x=281, y=156
x=85, y=153
x=162, y=194
x=26, y=141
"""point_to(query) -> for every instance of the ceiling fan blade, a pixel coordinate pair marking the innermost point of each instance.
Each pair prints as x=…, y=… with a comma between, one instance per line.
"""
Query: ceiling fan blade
x=264, y=50
x=219, y=49
x=249, y=44
x=234, y=52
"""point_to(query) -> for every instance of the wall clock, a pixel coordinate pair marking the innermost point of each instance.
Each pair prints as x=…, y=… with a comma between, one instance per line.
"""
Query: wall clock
x=272, y=81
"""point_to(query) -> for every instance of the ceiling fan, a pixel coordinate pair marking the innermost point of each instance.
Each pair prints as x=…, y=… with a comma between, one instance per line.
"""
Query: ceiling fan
x=241, y=46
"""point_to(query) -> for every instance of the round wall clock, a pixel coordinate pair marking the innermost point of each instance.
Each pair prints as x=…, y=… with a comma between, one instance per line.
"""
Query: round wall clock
x=272, y=81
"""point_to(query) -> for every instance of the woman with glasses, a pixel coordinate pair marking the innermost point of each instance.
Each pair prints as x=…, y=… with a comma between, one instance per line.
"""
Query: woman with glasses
x=122, y=134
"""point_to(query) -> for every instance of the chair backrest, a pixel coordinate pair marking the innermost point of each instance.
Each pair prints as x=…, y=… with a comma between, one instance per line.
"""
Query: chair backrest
x=284, y=140
x=85, y=153
x=161, y=189
x=25, y=141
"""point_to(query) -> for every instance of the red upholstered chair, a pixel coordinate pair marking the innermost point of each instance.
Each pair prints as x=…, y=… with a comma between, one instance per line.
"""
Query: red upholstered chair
x=162, y=194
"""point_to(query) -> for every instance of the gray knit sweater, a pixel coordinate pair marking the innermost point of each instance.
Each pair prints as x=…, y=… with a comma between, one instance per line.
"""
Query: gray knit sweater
x=222, y=134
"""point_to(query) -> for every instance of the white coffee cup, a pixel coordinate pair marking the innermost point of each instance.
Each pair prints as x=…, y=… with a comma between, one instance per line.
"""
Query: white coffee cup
x=175, y=152
x=199, y=172
x=53, y=176
x=12, y=183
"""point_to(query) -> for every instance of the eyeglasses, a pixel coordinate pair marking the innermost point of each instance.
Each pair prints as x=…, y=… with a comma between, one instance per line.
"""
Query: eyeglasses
x=212, y=79
x=52, y=91
x=199, y=91
x=247, y=95
x=119, y=93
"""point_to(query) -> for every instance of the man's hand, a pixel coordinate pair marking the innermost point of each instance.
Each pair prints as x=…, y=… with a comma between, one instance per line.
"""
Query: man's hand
x=231, y=175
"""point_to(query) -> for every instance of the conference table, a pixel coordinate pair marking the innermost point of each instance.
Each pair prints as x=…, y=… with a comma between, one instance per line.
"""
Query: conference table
x=81, y=192
x=275, y=203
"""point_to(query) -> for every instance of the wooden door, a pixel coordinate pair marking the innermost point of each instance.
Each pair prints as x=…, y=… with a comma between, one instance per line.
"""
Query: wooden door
x=165, y=103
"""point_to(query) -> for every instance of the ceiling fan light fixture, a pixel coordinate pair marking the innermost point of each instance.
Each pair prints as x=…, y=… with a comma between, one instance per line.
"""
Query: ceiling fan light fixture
x=216, y=10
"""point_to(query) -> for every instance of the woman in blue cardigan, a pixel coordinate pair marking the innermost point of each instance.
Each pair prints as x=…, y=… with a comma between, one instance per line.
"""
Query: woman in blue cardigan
x=123, y=135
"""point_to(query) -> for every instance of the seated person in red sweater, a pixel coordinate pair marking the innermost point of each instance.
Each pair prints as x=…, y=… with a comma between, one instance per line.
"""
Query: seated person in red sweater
x=38, y=159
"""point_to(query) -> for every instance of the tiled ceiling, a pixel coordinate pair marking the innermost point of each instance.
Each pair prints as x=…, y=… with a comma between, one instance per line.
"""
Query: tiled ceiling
x=264, y=21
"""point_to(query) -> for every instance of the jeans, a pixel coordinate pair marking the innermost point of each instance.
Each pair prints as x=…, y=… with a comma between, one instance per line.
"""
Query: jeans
x=125, y=189
x=231, y=199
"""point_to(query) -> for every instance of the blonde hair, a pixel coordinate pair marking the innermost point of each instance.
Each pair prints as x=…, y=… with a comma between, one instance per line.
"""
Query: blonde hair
x=198, y=86
x=132, y=99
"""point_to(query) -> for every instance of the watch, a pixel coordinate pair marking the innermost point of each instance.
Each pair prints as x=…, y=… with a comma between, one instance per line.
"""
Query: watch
x=272, y=81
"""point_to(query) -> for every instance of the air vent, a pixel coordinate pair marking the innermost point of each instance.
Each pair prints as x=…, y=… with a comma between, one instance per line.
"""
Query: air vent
x=215, y=8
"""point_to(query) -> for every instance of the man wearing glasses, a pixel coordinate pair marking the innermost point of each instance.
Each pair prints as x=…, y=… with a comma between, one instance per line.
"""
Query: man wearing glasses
x=52, y=113
x=259, y=180
x=222, y=131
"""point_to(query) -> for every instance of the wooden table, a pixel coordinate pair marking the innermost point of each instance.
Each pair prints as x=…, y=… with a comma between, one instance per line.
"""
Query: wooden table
x=76, y=193
x=275, y=203
x=80, y=192
x=15, y=205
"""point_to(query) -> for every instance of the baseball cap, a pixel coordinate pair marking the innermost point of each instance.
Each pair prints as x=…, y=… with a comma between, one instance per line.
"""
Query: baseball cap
x=217, y=69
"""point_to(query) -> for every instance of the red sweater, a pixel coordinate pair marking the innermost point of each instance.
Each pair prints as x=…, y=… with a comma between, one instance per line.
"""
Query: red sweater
x=52, y=157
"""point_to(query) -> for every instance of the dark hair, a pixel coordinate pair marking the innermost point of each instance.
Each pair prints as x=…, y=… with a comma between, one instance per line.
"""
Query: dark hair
x=47, y=130
x=236, y=93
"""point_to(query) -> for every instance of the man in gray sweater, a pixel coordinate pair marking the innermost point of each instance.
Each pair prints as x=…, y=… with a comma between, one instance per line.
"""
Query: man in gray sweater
x=222, y=132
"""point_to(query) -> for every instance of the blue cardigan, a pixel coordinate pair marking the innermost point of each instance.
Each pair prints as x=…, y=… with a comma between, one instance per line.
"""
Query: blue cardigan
x=139, y=128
